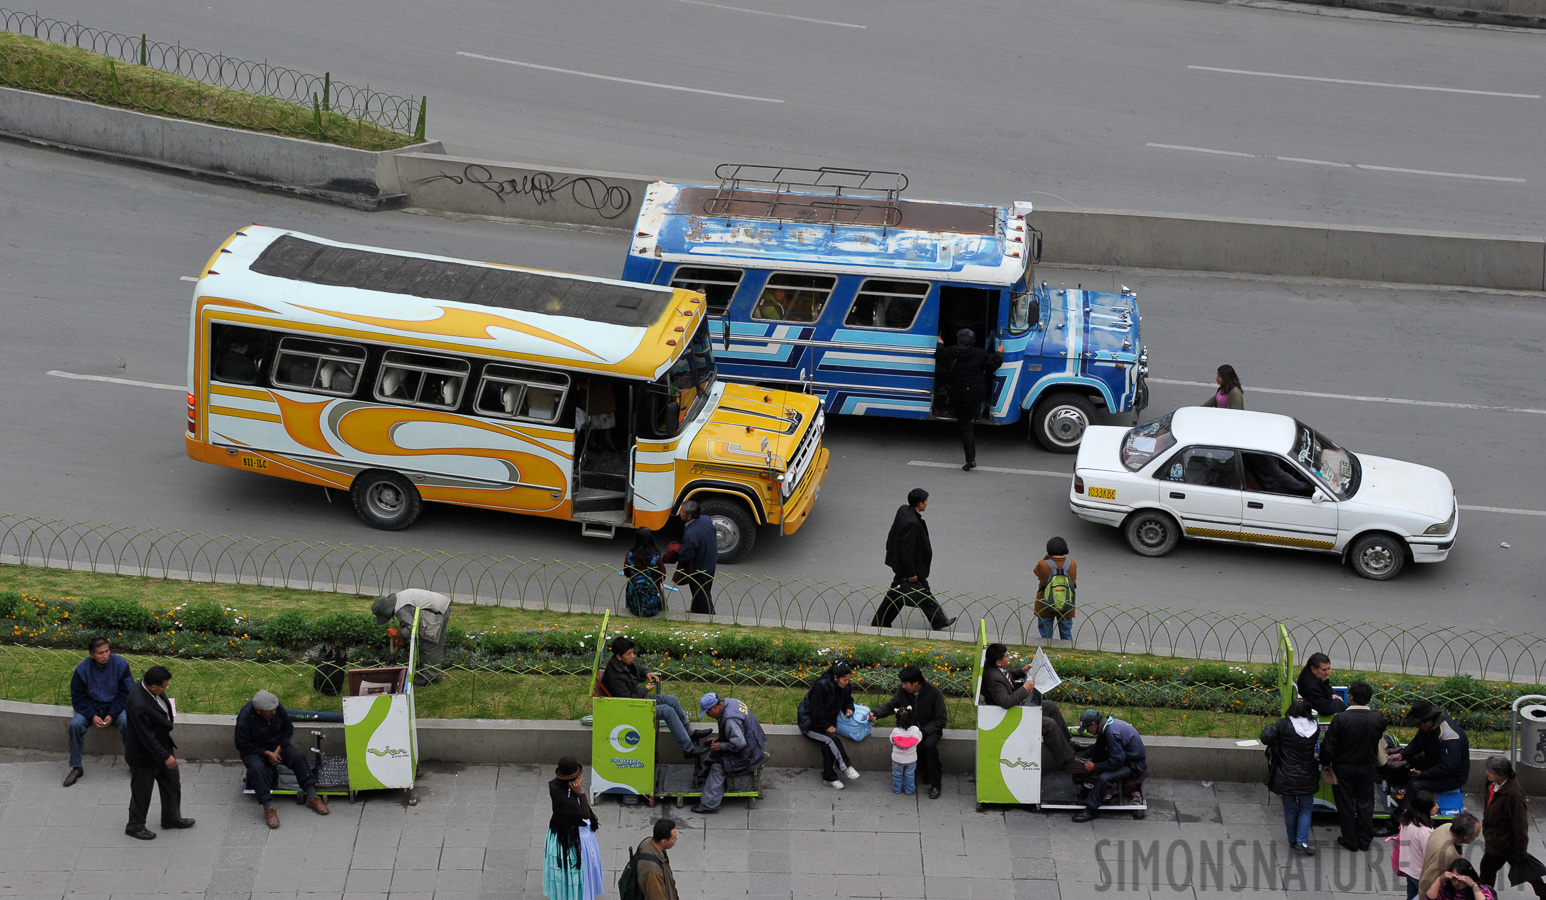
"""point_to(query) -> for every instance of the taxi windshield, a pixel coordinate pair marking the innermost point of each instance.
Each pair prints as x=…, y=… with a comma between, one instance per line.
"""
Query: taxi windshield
x=1336, y=468
x=677, y=396
x=1145, y=442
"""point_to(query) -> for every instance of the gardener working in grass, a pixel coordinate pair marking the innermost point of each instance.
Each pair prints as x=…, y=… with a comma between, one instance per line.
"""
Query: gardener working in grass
x=99, y=694
x=434, y=612
x=625, y=678
x=263, y=739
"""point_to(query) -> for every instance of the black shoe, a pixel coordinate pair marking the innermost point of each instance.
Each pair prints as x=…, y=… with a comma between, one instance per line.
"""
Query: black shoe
x=699, y=733
x=1085, y=815
x=695, y=750
x=945, y=625
x=1384, y=831
x=73, y=776
x=933, y=792
x=177, y=823
x=704, y=810
x=143, y=833
x=1306, y=849
x=1347, y=845
x=969, y=466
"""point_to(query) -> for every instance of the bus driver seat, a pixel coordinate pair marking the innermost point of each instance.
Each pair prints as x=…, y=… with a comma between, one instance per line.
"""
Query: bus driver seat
x=509, y=397
x=391, y=383
x=325, y=374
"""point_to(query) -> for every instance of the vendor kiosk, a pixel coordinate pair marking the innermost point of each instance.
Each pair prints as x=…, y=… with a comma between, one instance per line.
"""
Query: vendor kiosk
x=1008, y=744
x=381, y=726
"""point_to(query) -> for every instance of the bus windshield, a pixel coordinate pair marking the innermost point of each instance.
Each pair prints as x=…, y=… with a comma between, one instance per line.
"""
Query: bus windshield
x=677, y=396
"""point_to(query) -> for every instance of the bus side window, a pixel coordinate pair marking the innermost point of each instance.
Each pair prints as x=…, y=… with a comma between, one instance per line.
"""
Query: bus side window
x=886, y=304
x=237, y=353
x=421, y=379
x=1024, y=311
x=516, y=392
x=318, y=366
x=718, y=285
x=794, y=297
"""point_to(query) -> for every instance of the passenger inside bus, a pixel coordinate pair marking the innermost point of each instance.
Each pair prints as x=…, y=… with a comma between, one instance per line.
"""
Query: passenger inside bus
x=339, y=377
x=235, y=364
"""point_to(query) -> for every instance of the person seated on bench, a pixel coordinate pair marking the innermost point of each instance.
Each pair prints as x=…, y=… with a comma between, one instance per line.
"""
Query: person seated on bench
x=625, y=678
x=1117, y=757
x=998, y=688
x=739, y=747
x=1314, y=685
x=263, y=735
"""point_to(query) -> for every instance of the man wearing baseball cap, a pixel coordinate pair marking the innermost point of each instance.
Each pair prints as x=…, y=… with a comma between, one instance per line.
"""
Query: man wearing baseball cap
x=263, y=735
x=739, y=747
x=1118, y=756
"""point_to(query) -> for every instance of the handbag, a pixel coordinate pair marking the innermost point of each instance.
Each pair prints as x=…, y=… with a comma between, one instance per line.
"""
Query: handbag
x=1382, y=751
x=856, y=727
x=1525, y=868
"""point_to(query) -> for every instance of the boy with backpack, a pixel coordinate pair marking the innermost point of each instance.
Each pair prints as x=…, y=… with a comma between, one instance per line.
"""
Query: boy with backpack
x=1057, y=577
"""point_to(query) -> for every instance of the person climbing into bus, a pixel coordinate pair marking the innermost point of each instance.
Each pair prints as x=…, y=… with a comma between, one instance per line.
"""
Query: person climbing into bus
x=967, y=370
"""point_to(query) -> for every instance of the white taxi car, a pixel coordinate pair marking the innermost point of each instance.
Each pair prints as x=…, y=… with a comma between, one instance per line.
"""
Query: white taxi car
x=1257, y=478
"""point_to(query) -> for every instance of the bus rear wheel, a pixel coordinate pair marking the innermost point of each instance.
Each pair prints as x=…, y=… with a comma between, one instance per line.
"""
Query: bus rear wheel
x=734, y=529
x=385, y=500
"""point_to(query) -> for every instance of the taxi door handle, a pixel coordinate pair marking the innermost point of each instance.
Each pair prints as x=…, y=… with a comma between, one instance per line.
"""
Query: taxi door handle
x=1253, y=504
x=1177, y=495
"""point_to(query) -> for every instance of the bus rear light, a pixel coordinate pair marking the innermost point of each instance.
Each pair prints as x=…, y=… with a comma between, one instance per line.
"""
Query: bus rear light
x=1078, y=485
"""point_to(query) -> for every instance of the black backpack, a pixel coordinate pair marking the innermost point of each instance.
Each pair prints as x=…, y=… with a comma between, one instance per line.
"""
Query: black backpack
x=331, y=673
x=628, y=880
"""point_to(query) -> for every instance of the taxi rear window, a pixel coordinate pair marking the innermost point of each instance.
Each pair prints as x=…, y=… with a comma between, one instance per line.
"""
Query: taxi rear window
x=1145, y=442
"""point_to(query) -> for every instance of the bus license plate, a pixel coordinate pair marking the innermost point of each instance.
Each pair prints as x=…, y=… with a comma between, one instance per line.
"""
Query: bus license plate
x=254, y=462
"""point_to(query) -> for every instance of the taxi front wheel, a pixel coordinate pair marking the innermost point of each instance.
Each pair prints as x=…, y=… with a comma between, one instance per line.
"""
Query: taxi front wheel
x=1378, y=556
x=1151, y=533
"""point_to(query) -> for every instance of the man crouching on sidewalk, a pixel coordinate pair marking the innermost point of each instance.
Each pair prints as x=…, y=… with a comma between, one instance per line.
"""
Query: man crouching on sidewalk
x=263, y=735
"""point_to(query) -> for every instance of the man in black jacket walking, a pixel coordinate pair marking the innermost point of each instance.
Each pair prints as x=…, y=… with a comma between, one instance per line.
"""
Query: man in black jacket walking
x=1350, y=751
x=147, y=748
x=967, y=370
x=929, y=714
x=909, y=553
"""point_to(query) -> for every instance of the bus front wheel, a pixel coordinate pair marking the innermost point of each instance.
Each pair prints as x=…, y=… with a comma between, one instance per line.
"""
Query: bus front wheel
x=385, y=500
x=1060, y=420
x=734, y=529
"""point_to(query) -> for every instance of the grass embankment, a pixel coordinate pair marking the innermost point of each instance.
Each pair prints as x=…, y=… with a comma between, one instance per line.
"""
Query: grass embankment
x=41, y=674
x=45, y=67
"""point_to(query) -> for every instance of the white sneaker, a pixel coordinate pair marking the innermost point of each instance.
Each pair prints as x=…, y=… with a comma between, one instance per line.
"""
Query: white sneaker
x=834, y=785
x=851, y=773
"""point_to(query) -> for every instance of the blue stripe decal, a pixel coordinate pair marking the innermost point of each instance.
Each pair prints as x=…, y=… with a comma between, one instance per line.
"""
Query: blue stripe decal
x=884, y=338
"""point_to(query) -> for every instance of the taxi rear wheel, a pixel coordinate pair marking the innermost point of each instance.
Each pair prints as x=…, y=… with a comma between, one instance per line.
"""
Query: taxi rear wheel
x=1378, y=556
x=1151, y=533
x=1060, y=421
x=385, y=500
x=734, y=528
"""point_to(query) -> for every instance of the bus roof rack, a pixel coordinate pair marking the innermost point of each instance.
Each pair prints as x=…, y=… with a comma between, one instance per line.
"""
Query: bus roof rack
x=830, y=195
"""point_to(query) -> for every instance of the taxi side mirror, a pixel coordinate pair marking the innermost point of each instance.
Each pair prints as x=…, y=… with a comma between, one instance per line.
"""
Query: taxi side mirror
x=1318, y=497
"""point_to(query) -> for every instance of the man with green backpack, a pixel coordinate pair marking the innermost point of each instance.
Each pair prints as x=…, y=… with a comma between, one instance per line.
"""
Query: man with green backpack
x=1057, y=577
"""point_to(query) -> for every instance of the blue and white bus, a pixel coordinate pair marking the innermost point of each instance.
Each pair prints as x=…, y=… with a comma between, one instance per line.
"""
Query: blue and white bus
x=827, y=280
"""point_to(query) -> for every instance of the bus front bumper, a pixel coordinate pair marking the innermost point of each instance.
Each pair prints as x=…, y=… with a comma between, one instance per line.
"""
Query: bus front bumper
x=800, y=505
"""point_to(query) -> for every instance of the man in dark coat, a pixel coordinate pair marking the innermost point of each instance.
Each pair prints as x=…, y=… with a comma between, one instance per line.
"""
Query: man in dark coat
x=623, y=677
x=1438, y=758
x=739, y=747
x=1314, y=685
x=908, y=554
x=967, y=371
x=698, y=558
x=1505, y=825
x=1350, y=752
x=928, y=706
x=147, y=748
x=99, y=694
x=1117, y=757
x=263, y=739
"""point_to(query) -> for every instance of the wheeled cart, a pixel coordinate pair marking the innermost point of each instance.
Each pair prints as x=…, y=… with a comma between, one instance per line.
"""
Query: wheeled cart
x=332, y=776
x=381, y=726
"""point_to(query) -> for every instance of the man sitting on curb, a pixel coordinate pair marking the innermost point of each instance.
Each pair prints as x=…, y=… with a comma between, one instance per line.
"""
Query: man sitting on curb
x=99, y=693
x=739, y=747
x=929, y=714
x=625, y=678
x=263, y=735
x=1118, y=756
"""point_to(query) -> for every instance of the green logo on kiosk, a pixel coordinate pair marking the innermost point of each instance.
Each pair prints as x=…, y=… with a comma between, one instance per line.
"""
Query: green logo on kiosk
x=625, y=739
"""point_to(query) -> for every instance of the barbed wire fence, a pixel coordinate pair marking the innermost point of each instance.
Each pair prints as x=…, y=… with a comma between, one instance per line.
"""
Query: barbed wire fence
x=321, y=106
x=1428, y=650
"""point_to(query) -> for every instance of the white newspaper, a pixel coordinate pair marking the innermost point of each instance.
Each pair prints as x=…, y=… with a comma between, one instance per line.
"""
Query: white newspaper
x=1042, y=674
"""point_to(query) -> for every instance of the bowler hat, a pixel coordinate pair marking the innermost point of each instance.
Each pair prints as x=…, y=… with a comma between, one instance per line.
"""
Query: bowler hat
x=569, y=769
x=1422, y=711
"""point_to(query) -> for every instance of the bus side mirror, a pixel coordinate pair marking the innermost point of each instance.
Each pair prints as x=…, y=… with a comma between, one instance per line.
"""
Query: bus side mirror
x=1035, y=246
x=725, y=330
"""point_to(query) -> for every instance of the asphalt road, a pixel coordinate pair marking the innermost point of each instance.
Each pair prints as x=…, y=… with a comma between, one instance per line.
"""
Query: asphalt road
x=91, y=255
x=1162, y=105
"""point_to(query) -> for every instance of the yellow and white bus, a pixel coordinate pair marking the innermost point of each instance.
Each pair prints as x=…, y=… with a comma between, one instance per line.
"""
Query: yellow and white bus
x=402, y=378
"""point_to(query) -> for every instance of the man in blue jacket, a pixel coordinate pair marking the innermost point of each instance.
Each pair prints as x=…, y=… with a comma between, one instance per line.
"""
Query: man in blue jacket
x=1438, y=758
x=698, y=558
x=739, y=747
x=1118, y=756
x=99, y=692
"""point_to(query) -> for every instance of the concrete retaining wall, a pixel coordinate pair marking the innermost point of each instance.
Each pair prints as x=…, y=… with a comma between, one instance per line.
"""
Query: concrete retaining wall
x=1517, y=13
x=530, y=193
x=1298, y=249
x=36, y=726
x=267, y=159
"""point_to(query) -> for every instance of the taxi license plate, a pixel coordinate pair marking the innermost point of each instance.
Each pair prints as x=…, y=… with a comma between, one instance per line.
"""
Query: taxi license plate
x=1100, y=493
x=254, y=462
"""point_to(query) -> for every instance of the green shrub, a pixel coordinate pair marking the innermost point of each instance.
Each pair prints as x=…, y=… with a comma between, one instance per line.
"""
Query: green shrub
x=290, y=629
x=347, y=629
x=502, y=642
x=206, y=616
x=12, y=605
x=111, y=614
x=456, y=638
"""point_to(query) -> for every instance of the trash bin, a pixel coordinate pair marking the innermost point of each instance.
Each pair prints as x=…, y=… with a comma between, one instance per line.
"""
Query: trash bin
x=1529, y=745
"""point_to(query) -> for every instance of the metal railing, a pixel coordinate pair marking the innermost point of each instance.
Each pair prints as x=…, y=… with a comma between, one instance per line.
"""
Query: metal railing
x=326, y=103
x=1427, y=650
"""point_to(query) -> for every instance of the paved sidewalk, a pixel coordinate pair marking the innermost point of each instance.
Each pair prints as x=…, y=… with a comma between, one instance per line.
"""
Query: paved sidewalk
x=478, y=832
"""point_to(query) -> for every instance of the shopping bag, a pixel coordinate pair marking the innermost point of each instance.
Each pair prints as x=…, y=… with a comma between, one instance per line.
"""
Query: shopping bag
x=857, y=726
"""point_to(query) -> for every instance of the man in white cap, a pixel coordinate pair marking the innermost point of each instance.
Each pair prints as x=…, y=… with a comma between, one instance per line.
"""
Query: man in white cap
x=434, y=612
x=263, y=734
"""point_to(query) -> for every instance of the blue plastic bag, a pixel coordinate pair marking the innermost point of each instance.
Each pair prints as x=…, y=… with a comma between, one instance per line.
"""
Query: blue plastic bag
x=856, y=727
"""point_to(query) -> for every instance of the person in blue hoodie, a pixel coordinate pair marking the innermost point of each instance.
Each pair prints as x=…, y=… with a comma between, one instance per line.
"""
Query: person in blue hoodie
x=99, y=691
x=1118, y=756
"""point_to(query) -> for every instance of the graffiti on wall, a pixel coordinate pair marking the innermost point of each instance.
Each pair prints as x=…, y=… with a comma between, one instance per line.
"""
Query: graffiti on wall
x=585, y=191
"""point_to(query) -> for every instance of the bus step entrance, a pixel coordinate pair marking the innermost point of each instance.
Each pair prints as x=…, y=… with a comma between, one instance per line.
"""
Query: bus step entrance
x=598, y=530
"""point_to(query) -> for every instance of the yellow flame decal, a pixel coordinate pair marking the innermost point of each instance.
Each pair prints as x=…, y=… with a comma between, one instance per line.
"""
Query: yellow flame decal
x=456, y=322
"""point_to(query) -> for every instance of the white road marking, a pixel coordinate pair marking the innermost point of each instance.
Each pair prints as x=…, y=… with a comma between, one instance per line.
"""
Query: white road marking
x=186, y=278
x=998, y=469
x=654, y=84
x=758, y=12
x=129, y=381
x=1327, y=162
x=1397, y=400
x=1383, y=84
x=1067, y=475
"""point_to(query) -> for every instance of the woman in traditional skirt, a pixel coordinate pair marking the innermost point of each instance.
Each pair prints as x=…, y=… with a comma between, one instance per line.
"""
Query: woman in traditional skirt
x=572, y=862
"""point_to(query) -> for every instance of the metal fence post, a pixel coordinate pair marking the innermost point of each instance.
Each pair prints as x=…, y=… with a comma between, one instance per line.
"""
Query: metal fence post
x=327, y=91
x=144, y=56
x=418, y=131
